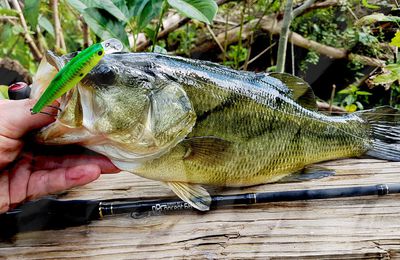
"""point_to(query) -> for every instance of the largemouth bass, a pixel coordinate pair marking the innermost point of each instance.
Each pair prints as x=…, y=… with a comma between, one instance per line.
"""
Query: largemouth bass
x=188, y=123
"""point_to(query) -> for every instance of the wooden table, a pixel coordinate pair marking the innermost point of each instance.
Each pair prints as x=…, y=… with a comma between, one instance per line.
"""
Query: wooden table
x=367, y=227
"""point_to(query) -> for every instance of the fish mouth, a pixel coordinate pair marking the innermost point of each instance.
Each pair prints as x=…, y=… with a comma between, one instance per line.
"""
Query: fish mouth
x=67, y=128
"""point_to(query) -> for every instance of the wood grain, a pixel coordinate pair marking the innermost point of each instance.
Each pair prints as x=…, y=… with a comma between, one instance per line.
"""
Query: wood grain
x=354, y=228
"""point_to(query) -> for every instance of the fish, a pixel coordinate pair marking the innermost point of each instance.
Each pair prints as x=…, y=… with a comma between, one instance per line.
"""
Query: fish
x=76, y=69
x=191, y=123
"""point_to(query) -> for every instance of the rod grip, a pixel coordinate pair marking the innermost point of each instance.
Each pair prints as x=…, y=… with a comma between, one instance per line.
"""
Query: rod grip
x=19, y=90
x=47, y=214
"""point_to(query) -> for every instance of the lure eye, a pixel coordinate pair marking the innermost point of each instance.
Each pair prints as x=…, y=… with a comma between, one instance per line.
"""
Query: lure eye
x=100, y=53
x=107, y=44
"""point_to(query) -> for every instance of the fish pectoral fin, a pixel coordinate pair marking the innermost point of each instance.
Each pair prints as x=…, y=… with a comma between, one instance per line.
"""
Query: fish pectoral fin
x=302, y=92
x=208, y=149
x=194, y=194
x=310, y=172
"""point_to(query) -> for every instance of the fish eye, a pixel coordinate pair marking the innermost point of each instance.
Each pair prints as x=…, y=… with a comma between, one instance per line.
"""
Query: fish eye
x=100, y=53
x=107, y=44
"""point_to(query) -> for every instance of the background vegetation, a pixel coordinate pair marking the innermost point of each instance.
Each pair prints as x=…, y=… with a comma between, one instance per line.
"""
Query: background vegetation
x=347, y=50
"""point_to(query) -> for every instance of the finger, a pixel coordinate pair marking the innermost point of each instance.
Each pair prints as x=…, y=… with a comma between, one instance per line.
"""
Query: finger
x=16, y=118
x=18, y=179
x=4, y=192
x=55, y=162
x=48, y=182
x=9, y=150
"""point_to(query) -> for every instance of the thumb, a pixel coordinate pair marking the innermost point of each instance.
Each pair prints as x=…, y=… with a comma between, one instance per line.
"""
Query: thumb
x=16, y=119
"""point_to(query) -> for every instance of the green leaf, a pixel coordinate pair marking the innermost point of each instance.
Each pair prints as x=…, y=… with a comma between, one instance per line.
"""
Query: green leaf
x=396, y=40
x=385, y=78
x=3, y=92
x=391, y=74
x=46, y=25
x=202, y=10
x=350, y=99
x=116, y=8
x=151, y=10
x=6, y=34
x=363, y=93
x=17, y=29
x=110, y=7
x=105, y=26
x=121, y=5
x=368, y=5
x=135, y=7
x=345, y=91
x=78, y=5
x=351, y=108
x=31, y=12
x=9, y=12
x=359, y=105
x=159, y=49
x=376, y=17
x=149, y=32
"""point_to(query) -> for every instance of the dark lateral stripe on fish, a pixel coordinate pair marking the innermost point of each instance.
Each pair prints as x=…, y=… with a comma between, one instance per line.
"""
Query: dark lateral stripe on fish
x=229, y=102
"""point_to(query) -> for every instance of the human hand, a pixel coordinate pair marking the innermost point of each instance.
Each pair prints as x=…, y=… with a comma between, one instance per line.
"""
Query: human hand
x=28, y=174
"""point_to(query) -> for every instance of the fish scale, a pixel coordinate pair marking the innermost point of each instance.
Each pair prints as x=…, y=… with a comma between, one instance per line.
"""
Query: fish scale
x=190, y=123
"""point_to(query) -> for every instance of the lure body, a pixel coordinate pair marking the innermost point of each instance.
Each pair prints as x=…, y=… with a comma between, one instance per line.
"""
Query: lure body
x=74, y=71
x=70, y=75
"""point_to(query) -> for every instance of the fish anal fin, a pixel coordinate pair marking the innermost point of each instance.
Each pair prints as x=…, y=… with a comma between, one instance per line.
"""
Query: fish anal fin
x=197, y=196
x=209, y=149
x=310, y=172
x=301, y=90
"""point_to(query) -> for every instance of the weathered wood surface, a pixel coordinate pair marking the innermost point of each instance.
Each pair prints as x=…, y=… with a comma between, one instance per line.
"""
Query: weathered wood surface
x=367, y=227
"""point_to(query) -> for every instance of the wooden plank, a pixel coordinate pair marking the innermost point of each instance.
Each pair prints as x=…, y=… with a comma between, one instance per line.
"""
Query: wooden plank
x=353, y=228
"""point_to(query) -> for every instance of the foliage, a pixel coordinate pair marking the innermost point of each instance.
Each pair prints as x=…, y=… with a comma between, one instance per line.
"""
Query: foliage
x=111, y=18
x=352, y=98
x=396, y=40
x=201, y=10
x=391, y=73
x=359, y=27
x=375, y=18
x=184, y=38
x=237, y=55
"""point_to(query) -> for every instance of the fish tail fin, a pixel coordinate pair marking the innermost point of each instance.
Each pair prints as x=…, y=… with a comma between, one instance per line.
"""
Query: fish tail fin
x=385, y=132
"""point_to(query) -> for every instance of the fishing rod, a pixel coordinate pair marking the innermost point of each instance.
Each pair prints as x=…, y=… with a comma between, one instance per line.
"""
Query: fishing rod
x=50, y=213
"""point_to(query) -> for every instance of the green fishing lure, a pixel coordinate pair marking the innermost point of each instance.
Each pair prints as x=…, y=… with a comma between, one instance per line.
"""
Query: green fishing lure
x=74, y=71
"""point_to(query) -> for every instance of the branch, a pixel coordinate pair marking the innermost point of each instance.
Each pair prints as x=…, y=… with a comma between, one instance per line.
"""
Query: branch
x=325, y=4
x=85, y=32
x=287, y=20
x=270, y=25
x=299, y=10
x=35, y=50
x=6, y=18
x=323, y=106
x=164, y=33
x=232, y=36
x=60, y=43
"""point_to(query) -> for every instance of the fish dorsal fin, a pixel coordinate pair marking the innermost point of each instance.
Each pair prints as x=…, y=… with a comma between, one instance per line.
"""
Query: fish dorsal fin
x=208, y=149
x=194, y=194
x=301, y=91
